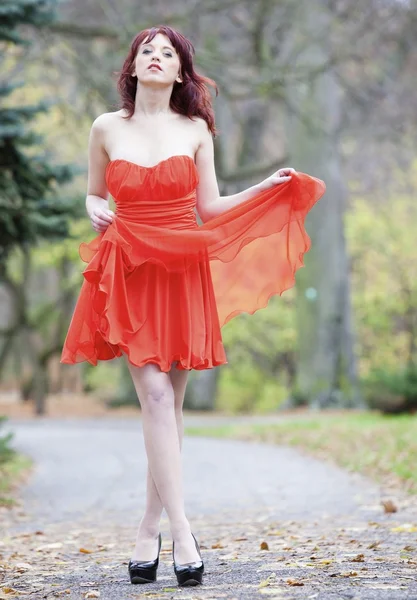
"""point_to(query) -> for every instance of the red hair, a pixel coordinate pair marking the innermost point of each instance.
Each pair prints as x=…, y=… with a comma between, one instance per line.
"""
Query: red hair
x=191, y=97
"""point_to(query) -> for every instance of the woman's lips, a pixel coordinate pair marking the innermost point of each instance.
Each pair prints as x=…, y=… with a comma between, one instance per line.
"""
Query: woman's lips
x=155, y=67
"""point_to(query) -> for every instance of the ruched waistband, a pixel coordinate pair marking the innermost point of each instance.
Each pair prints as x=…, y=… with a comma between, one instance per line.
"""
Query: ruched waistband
x=175, y=213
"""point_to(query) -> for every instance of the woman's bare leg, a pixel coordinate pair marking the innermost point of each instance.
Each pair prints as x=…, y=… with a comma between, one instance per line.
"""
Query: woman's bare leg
x=149, y=526
x=161, y=397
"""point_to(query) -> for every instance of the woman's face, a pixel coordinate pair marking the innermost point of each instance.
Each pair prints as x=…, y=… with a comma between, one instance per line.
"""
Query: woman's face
x=157, y=62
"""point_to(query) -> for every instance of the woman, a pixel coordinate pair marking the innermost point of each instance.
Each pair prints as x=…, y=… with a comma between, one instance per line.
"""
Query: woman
x=158, y=287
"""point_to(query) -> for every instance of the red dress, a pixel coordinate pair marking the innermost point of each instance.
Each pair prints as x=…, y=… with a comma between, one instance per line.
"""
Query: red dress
x=158, y=287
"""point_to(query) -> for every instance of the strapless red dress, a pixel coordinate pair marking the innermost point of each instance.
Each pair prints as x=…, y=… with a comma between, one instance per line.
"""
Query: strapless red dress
x=158, y=286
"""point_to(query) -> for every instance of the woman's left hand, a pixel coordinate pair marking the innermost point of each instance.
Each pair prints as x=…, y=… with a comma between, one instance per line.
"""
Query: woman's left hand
x=280, y=176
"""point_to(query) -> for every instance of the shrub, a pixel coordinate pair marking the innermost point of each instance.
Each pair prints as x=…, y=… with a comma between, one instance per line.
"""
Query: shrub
x=392, y=391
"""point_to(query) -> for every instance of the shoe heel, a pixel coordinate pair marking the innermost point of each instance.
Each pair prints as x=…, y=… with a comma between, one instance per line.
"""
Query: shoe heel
x=141, y=575
x=189, y=578
x=190, y=573
x=144, y=571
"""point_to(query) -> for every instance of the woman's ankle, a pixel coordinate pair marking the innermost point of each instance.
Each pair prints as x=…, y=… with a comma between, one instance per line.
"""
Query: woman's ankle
x=149, y=527
x=180, y=528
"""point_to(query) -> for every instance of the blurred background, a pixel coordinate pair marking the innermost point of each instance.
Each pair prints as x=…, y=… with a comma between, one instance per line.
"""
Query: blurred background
x=325, y=86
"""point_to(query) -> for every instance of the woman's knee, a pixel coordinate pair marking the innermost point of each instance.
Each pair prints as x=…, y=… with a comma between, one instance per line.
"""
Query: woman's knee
x=157, y=393
x=154, y=387
x=156, y=397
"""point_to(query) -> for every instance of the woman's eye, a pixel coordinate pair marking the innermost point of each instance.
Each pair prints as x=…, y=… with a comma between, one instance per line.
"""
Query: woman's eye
x=146, y=51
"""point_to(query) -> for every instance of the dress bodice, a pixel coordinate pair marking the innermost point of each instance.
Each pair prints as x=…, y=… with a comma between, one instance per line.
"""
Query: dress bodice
x=163, y=195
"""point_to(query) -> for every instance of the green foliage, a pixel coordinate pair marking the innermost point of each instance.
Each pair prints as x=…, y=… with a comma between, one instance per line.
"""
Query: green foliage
x=6, y=452
x=19, y=12
x=252, y=392
x=381, y=239
x=384, y=290
x=30, y=206
x=102, y=379
x=261, y=353
x=392, y=390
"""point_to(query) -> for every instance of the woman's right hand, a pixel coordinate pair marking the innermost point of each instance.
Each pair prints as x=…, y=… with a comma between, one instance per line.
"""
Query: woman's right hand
x=101, y=218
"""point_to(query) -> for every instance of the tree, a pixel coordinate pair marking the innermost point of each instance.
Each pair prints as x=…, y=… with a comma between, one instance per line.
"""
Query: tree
x=29, y=210
x=30, y=207
x=326, y=369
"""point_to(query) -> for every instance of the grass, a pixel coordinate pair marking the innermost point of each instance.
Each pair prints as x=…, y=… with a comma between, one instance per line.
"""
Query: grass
x=381, y=447
x=11, y=474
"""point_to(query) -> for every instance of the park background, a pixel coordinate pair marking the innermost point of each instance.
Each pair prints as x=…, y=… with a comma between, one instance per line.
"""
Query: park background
x=327, y=87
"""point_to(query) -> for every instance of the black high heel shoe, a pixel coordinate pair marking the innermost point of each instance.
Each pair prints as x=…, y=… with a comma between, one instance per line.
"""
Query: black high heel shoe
x=144, y=571
x=189, y=573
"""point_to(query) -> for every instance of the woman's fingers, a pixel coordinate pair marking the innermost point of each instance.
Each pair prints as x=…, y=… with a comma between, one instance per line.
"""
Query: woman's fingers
x=103, y=216
x=285, y=171
x=100, y=220
x=278, y=179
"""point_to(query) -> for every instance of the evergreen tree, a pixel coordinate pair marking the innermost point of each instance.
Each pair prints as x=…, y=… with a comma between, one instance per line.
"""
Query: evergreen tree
x=30, y=208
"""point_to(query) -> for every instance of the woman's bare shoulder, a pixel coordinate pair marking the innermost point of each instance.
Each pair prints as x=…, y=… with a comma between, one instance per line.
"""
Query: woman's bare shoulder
x=201, y=129
x=200, y=123
x=106, y=120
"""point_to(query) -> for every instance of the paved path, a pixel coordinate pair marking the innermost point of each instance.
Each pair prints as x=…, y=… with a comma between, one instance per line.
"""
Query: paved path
x=101, y=465
x=87, y=490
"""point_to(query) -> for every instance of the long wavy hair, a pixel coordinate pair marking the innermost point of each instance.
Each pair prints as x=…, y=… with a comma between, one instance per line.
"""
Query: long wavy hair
x=191, y=97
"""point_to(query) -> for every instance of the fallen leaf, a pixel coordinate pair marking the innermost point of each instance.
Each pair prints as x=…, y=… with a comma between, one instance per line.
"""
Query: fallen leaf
x=22, y=567
x=92, y=594
x=359, y=558
x=406, y=527
x=389, y=506
x=294, y=582
x=373, y=546
x=271, y=578
x=264, y=546
x=50, y=546
x=85, y=551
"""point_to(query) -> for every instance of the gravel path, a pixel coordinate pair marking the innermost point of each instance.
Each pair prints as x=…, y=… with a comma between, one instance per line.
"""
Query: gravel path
x=87, y=493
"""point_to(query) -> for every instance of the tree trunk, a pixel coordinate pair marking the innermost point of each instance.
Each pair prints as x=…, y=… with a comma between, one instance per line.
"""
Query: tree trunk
x=326, y=370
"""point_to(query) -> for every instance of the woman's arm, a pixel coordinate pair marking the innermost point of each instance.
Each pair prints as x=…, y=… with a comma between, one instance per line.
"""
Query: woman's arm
x=96, y=203
x=209, y=202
